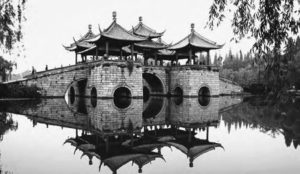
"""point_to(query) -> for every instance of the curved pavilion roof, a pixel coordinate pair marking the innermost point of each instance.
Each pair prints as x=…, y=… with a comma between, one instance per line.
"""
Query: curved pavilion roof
x=117, y=34
x=195, y=41
x=82, y=43
x=143, y=30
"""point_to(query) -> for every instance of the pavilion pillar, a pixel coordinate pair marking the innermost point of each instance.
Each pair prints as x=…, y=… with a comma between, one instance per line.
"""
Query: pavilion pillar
x=75, y=58
x=208, y=58
x=176, y=58
x=155, y=57
x=131, y=51
x=97, y=52
x=190, y=55
x=207, y=132
x=106, y=50
x=121, y=54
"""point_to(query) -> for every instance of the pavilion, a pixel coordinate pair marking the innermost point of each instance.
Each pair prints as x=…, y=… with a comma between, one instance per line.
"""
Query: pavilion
x=193, y=43
x=113, y=39
x=81, y=44
x=150, y=47
x=118, y=42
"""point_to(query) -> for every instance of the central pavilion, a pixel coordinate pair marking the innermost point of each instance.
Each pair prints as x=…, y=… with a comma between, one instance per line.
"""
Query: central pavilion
x=116, y=41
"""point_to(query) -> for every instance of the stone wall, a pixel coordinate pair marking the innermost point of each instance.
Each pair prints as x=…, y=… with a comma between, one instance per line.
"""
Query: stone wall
x=228, y=87
x=109, y=76
x=191, y=80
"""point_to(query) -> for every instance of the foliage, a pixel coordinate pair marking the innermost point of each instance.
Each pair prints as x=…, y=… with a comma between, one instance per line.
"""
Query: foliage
x=269, y=22
x=6, y=123
x=18, y=91
x=11, y=18
x=6, y=68
x=240, y=68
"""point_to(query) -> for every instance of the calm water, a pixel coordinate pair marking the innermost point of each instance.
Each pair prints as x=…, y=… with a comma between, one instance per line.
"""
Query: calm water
x=154, y=135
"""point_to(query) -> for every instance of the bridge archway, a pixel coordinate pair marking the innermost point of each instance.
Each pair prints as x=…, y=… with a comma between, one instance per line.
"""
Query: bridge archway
x=122, y=97
x=204, y=91
x=178, y=91
x=72, y=95
x=79, y=87
x=155, y=84
x=153, y=107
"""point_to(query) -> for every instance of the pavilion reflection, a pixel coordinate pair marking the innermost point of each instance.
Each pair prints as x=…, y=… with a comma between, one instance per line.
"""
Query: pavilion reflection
x=136, y=133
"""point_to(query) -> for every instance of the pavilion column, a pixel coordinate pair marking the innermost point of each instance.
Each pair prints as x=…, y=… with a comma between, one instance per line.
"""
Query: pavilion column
x=97, y=52
x=207, y=132
x=107, y=49
x=208, y=58
x=190, y=55
x=121, y=54
x=155, y=57
x=176, y=58
x=75, y=58
x=131, y=51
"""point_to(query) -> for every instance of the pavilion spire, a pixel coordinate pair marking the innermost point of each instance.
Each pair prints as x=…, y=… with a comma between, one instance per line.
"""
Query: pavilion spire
x=114, y=15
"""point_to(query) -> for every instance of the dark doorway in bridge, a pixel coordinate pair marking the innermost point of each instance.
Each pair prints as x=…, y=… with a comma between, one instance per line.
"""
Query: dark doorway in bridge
x=94, y=93
x=153, y=107
x=122, y=92
x=81, y=87
x=204, y=100
x=204, y=91
x=146, y=93
x=178, y=92
x=72, y=94
x=155, y=84
x=122, y=97
x=94, y=97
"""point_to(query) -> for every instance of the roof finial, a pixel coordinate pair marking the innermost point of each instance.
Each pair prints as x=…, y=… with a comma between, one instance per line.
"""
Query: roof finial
x=192, y=27
x=90, y=27
x=141, y=19
x=114, y=14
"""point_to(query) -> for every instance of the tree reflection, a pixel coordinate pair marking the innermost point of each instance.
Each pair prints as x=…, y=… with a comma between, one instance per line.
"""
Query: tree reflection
x=269, y=117
x=6, y=124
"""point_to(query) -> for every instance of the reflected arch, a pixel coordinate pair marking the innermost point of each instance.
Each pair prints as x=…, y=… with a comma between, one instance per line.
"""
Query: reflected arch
x=154, y=83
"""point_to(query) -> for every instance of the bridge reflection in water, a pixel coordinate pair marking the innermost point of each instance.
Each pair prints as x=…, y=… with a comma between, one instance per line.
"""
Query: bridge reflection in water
x=132, y=130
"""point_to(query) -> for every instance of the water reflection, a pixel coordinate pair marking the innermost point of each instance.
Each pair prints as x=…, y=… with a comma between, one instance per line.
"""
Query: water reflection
x=114, y=133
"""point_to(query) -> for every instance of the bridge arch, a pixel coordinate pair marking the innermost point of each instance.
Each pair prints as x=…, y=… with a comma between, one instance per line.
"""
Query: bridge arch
x=122, y=97
x=204, y=90
x=79, y=86
x=155, y=84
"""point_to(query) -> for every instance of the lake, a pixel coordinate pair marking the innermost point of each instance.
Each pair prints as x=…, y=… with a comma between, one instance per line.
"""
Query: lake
x=150, y=135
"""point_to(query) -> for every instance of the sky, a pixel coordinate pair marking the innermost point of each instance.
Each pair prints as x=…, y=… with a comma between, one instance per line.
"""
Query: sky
x=51, y=24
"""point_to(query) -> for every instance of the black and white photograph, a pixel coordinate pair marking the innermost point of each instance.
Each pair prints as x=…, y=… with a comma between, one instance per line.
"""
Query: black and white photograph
x=149, y=86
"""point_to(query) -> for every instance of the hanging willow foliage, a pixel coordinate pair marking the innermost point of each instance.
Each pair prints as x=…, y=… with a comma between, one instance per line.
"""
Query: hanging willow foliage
x=11, y=18
x=269, y=22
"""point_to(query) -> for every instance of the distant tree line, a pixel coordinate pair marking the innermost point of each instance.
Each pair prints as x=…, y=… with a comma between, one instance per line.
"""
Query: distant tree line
x=249, y=69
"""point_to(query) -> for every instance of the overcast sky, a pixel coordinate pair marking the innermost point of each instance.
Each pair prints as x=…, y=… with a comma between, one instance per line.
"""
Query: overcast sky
x=53, y=23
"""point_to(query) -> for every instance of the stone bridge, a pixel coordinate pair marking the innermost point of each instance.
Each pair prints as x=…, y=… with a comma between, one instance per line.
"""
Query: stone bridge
x=108, y=79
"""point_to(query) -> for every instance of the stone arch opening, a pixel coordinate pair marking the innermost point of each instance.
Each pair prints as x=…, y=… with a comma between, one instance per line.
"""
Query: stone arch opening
x=122, y=97
x=204, y=100
x=156, y=85
x=178, y=92
x=81, y=85
x=72, y=94
x=204, y=91
x=122, y=92
x=94, y=97
x=153, y=107
x=94, y=93
x=146, y=93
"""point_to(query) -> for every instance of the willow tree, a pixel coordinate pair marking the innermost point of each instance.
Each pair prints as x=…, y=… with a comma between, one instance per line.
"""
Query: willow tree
x=269, y=22
x=11, y=18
